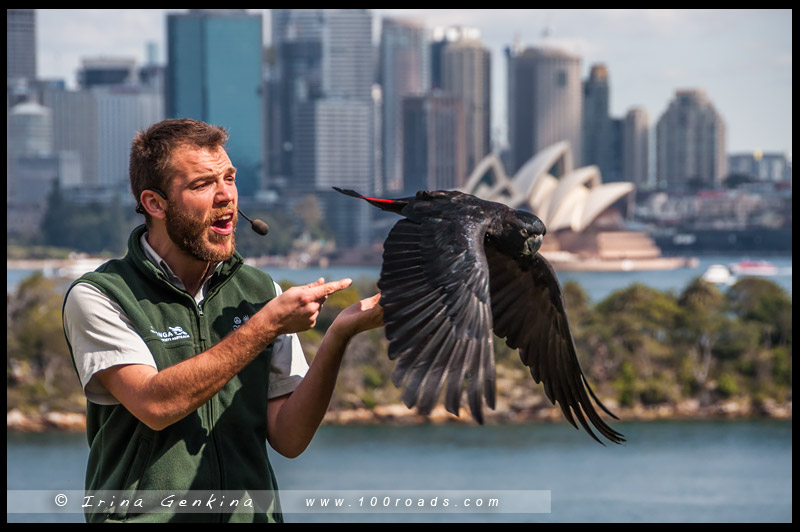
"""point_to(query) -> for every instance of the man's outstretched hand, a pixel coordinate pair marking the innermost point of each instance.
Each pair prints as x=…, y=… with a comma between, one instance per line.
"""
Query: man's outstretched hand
x=359, y=317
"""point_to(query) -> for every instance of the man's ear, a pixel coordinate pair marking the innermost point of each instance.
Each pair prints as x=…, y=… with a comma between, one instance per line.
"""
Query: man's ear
x=154, y=202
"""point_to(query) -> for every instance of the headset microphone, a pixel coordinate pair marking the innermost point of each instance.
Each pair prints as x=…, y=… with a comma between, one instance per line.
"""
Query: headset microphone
x=258, y=226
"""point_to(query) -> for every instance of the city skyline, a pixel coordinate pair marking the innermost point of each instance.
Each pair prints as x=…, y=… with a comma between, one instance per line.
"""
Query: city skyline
x=741, y=58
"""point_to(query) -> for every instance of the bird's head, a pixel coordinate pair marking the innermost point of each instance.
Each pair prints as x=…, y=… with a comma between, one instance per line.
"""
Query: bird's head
x=522, y=234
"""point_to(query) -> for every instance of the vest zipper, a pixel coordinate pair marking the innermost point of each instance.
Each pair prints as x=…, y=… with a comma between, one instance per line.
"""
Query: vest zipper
x=212, y=410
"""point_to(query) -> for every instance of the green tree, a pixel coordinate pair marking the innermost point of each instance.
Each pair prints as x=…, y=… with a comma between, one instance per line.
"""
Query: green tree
x=763, y=302
x=38, y=365
x=636, y=326
x=701, y=323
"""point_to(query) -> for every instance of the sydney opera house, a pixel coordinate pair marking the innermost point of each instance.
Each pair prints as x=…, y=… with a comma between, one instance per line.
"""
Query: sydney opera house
x=583, y=232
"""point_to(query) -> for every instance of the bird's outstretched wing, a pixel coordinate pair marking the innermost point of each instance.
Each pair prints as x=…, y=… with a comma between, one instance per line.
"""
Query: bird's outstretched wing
x=435, y=294
x=528, y=311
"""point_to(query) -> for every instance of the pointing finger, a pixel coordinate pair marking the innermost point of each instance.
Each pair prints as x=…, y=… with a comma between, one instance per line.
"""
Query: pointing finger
x=316, y=283
x=329, y=288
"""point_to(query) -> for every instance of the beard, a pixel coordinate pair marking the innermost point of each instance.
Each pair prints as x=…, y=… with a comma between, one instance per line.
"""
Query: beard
x=191, y=234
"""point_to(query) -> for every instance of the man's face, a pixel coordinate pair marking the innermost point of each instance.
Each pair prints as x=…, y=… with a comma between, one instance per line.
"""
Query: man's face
x=201, y=211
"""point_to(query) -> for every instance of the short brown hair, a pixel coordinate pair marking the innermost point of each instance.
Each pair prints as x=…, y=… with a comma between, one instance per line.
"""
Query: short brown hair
x=151, y=150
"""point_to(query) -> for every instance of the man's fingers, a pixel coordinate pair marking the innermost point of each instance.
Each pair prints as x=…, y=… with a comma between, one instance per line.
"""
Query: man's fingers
x=327, y=289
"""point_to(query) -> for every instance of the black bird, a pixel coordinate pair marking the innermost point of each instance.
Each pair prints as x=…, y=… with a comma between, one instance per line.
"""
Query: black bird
x=455, y=269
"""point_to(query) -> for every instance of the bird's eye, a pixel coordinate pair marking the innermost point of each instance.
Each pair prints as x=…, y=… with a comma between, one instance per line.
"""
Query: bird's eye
x=523, y=233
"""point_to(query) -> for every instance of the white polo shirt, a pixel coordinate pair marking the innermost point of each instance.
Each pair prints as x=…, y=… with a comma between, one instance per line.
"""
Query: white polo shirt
x=102, y=336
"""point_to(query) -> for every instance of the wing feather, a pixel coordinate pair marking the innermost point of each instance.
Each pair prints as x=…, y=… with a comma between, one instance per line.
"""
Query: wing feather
x=435, y=295
x=528, y=311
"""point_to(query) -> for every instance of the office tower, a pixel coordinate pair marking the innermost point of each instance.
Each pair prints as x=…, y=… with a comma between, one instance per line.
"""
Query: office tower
x=602, y=135
x=334, y=148
x=30, y=134
x=377, y=143
x=636, y=148
x=544, y=102
x=102, y=71
x=214, y=75
x=347, y=54
x=31, y=128
x=434, y=142
x=596, y=119
x=295, y=77
x=99, y=125
x=318, y=54
x=33, y=166
x=690, y=143
x=404, y=71
x=761, y=166
x=461, y=66
x=323, y=98
x=20, y=45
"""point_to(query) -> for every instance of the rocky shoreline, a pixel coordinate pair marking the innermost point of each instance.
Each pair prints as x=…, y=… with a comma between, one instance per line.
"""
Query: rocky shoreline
x=398, y=414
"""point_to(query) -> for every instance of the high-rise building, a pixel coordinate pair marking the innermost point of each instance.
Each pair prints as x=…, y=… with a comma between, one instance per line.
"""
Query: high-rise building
x=461, y=65
x=690, y=143
x=102, y=71
x=214, y=75
x=636, y=148
x=544, y=102
x=347, y=54
x=99, y=125
x=761, y=166
x=294, y=78
x=434, y=143
x=322, y=98
x=334, y=141
x=602, y=134
x=404, y=71
x=318, y=54
x=596, y=119
x=20, y=45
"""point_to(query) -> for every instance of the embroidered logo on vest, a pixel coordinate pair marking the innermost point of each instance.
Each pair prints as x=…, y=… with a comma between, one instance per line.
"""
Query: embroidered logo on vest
x=174, y=333
x=237, y=321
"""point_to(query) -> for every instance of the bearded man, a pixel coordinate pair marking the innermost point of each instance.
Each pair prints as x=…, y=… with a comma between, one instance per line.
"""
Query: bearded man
x=189, y=358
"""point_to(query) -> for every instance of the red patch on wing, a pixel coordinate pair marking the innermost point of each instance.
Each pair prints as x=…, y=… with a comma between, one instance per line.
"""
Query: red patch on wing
x=378, y=199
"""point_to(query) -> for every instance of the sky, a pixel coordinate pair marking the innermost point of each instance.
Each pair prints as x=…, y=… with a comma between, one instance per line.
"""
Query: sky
x=741, y=58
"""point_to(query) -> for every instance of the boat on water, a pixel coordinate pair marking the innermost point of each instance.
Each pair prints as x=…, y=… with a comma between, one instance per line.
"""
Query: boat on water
x=77, y=267
x=718, y=274
x=754, y=267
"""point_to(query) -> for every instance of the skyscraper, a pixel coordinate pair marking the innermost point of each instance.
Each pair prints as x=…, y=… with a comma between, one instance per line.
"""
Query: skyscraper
x=465, y=65
x=434, y=142
x=690, y=143
x=20, y=45
x=99, y=125
x=295, y=78
x=334, y=140
x=404, y=71
x=544, y=102
x=99, y=71
x=602, y=134
x=214, y=75
x=636, y=148
x=324, y=77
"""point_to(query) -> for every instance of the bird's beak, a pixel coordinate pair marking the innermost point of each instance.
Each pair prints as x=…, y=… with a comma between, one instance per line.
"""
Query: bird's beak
x=534, y=243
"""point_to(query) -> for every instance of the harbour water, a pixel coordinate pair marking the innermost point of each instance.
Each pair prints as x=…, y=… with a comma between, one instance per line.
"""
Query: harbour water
x=667, y=472
x=597, y=285
x=707, y=471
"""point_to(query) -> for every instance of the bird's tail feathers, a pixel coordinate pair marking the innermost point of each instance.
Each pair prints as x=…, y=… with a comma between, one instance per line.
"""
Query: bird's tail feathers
x=391, y=205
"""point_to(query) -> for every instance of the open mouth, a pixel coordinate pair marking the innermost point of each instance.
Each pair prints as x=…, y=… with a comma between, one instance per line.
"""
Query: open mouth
x=224, y=224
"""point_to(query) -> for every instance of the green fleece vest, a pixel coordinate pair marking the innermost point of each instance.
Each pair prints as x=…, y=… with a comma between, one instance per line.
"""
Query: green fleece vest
x=219, y=447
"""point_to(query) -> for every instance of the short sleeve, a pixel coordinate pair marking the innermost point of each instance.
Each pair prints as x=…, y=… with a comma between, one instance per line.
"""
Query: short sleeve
x=289, y=364
x=101, y=336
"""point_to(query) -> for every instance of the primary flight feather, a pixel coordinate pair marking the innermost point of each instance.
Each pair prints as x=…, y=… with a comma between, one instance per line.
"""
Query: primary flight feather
x=456, y=268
